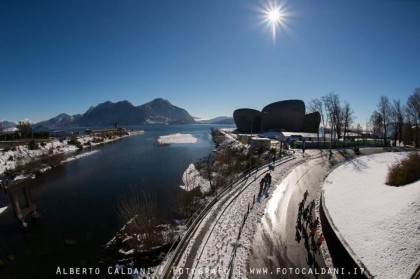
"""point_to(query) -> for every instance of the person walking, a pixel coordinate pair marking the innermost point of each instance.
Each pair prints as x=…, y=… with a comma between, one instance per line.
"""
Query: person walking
x=316, y=222
x=299, y=216
x=268, y=178
x=309, y=219
x=305, y=213
x=313, y=232
x=312, y=204
x=320, y=239
x=303, y=146
x=305, y=195
x=301, y=204
x=319, y=242
x=262, y=182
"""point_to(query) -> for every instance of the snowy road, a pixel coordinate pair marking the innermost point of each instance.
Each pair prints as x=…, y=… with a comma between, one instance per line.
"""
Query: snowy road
x=267, y=241
x=274, y=246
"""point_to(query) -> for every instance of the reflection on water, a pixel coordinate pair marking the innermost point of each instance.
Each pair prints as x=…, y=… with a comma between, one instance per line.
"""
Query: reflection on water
x=78, y=201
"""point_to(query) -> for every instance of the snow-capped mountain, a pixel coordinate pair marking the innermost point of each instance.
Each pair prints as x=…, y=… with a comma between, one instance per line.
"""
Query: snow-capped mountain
x=158, y=111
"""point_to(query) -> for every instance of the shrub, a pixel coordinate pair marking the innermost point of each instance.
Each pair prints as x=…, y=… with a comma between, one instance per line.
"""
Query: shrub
x=138, y=210
x=32, y=145
x=405, y=172
x=73, y=141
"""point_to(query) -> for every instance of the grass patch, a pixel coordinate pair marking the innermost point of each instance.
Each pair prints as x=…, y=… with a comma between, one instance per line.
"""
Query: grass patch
x=404, y=172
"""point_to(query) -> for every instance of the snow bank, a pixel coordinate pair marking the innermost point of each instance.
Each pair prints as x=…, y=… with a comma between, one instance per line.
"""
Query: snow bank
x=176, y=138
x=380, y=223
x=227, y=142
x=81, y=156
x=192, y=179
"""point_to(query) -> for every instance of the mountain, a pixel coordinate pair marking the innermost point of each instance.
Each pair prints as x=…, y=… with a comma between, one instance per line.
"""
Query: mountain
x=158, y=111
x=61, y=120
x=218, y=120
x=109, y=113
x=7, y=125
x=161, y=111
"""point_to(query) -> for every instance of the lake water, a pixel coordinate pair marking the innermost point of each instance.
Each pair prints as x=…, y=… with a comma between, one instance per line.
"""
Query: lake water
x=78, y=201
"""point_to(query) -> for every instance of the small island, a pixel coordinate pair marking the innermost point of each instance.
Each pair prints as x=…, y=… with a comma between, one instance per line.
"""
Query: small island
x=176, y=138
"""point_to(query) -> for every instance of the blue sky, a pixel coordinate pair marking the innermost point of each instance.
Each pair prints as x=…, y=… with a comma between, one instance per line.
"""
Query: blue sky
x=209, y=57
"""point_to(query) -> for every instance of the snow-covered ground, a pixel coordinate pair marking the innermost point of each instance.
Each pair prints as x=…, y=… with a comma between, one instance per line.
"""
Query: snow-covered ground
x=379, y=223
x=21, y=154
x=192, y=179
x=176, y=138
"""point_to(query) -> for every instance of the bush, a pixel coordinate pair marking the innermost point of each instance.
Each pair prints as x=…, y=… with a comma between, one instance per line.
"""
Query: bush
x=32, y=145
x=405, y=172
x=73, y=141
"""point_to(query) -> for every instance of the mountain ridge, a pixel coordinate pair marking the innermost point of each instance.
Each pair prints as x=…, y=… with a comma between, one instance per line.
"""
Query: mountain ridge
x=157, y=111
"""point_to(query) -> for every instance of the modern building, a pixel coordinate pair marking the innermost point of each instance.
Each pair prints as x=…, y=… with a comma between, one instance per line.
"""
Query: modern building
x=284, y=115
x=247, y=120
x=288, y=115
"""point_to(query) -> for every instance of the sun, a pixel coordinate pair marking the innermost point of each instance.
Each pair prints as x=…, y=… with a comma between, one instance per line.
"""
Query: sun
x=273, y=16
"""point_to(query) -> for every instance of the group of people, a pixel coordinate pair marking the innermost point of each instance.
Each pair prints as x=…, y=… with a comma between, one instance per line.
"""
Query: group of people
x=306, y=226
x=265, y=182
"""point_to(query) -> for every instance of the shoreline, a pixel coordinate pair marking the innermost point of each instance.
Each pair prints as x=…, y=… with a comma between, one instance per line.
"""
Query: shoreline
x=20, y=155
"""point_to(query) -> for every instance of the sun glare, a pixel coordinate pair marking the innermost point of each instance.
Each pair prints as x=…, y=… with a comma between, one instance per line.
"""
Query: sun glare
x=273, y=16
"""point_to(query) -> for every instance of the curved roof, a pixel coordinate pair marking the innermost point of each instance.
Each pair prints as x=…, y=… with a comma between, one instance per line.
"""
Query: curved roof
x=247, y=120
x=311, y=122
x=286, y=115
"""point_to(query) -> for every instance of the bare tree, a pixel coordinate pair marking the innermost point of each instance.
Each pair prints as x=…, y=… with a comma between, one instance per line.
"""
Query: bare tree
x=384, y=109
x=413, y=112
x=332, y=108
x=397, y=120
x=316, y=105
x=338, y=115
x=25, y=129
x=209, y=171
x=376, y=121
x=348, y=117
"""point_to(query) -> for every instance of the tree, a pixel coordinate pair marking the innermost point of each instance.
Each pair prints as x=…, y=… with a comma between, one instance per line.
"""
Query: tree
x=333, y=111
x=384, y=109
x=210, y=168
x=397, y=120
x=316, y=105
x=413, y=112
x=407, y=133
x=348, y=118
x=376, y=121
x=25, y=129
